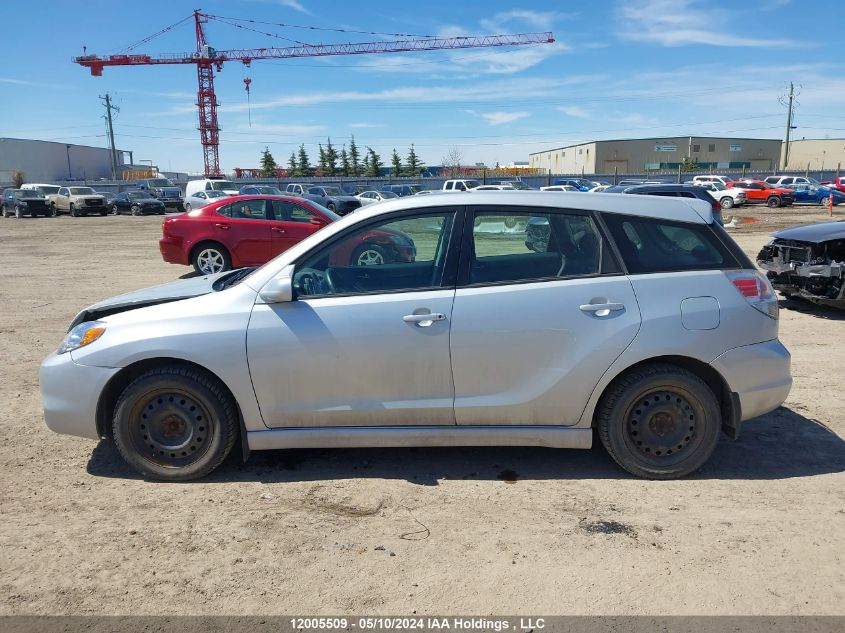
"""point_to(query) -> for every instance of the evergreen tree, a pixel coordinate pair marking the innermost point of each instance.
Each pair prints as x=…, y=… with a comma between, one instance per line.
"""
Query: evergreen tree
x=331, y=159
x=395, y=164
x=268, y=163
x=303, y=166
x=355, y=157
x=375, y=163
x=413, y=165
x=321, y=162
x=365, y=166
x=345, y=166
x=293, y=168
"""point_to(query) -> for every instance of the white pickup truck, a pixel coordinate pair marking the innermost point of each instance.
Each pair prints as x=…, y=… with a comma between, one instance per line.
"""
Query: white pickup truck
x=77, y=201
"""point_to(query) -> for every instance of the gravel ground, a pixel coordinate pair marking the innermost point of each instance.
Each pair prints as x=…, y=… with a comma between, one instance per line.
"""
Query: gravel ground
x=759, y=530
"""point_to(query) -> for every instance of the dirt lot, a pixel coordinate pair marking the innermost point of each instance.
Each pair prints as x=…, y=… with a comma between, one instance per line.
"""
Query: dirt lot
x=760, y=530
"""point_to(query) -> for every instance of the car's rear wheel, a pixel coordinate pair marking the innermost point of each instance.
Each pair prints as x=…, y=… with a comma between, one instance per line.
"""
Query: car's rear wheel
x=727, y=202
x=369, y=255
x=773, y=202
x=211, y=258
x=175, y=424
x=659, y=421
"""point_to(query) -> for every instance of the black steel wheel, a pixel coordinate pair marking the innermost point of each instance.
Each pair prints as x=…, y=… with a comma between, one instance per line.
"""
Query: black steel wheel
x=773, y=202
x=175, y=424
x=659, y=421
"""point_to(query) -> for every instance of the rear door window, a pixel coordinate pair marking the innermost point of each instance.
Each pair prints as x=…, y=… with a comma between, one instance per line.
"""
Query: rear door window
x=652, y=245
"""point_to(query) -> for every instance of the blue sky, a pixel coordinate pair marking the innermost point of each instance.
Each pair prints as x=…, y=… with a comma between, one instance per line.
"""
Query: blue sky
x=619, y=68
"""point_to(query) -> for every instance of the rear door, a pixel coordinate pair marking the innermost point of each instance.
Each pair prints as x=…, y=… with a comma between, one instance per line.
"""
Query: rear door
x=541, y=311
x=244, y=228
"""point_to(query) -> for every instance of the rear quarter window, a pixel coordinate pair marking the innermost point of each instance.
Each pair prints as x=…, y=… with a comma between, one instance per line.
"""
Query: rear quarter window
x=650, y=245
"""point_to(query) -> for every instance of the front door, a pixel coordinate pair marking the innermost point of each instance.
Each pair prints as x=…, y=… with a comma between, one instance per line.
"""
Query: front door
x=541, y=311
x=291, y=224
x=245, y=228
x=366, y=340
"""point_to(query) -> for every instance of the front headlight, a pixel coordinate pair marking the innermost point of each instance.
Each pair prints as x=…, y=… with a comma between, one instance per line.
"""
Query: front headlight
x=82, y=335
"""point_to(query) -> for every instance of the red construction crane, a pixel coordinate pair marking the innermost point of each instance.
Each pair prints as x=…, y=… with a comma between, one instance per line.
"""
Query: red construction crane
x=207, y=58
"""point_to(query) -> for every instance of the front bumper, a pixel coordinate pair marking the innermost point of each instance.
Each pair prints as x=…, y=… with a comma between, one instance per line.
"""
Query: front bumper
x=758, y=375
x=69, y=394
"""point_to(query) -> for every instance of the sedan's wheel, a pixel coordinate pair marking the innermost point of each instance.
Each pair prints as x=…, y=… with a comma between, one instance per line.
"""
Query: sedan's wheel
x=331, y=206
x=114, y=210
x=136, y=210
x=187, y=206
x=73, y=212
x=825, y=201
x=727, y=202
x=369, y=255
x=659, y=421
x=773, y=202
x=175, y=424
x=212, y=259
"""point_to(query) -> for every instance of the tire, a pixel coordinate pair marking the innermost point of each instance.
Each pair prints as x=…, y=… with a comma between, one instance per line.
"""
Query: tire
x=331, y=207
x=73, y=212
x=773, y=202
x=727, y=202
x=659, y=421
x=369, y=255
x=114, y=210
x=18, y=213
x=824, y=202
x=175, y=423
x=135, y=210
x=188, y=206
x=211, y=258
x=53, y=210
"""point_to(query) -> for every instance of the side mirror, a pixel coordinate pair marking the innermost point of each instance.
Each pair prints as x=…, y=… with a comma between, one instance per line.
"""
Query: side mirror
x=316, y=220
x=279, y=289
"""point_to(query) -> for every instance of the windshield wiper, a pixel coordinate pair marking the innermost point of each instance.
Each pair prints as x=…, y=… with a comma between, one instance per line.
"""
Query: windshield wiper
x=232, y=279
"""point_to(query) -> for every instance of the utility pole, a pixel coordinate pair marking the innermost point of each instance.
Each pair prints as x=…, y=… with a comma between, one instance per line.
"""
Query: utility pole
x=788, y=125
x=109, y=107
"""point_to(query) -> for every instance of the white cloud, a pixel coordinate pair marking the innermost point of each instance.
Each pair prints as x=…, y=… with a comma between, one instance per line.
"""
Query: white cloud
x=500, y=118
x=540, y=20
x=365, y=125
x=686, y=22
x=574, y=111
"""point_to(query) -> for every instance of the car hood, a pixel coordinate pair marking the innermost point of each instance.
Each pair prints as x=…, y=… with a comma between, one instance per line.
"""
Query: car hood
x=815, y=233
x=173, y=291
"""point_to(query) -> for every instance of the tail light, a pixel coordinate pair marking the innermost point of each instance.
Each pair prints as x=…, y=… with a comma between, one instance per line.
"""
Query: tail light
x=755, y=287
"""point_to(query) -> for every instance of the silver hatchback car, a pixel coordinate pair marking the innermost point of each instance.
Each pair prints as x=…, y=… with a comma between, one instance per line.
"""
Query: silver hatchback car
x=536, y=320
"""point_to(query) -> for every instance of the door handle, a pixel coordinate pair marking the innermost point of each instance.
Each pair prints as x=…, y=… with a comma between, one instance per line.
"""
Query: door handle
x=602, y=309
x=424, y=320
x=279, y=230
x=220, y=225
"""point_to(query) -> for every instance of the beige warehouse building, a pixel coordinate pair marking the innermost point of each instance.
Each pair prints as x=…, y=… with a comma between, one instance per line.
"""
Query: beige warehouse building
x=817, y=154
x=638, y=155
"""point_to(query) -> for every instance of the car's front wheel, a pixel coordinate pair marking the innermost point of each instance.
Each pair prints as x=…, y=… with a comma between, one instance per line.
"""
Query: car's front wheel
x=135, y=210
x=659, y=421
x=53, y=210
x=175, y=423
x=369, y=255
x=727, y=202
x=211, y=258
x=18, y=212
x=187, y=206
x=773, y=202
x=825, y=202
x=331, y=206
x=73, y=212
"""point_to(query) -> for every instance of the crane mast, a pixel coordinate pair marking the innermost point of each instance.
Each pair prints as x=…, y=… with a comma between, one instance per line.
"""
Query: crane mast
x=207, y=59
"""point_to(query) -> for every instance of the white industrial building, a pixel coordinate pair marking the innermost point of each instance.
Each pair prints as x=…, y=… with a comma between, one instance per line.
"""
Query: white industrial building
x=48, y=161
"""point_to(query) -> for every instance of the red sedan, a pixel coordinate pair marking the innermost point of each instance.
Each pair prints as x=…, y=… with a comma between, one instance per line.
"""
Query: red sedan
x=759, y=191
x=251, y=230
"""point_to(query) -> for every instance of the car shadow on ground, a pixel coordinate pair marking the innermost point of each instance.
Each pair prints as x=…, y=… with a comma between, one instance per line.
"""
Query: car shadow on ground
x=780, y=445
x=811, y=309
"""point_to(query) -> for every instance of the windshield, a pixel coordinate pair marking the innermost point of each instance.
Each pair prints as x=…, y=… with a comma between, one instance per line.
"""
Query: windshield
x=216, y=194
x=517, y=185
x=334, y=191
x=472, y=184
x=47, y=190
x=415, y=188
x=81, y=191
x=270, y=191
x=220, y=185
x=388, y=194
x=138, y=195
x=160, y=182
x=24, y=193
x=716, y=186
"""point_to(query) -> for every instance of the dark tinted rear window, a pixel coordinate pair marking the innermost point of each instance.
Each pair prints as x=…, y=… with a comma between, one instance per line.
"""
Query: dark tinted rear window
x=651, y=245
